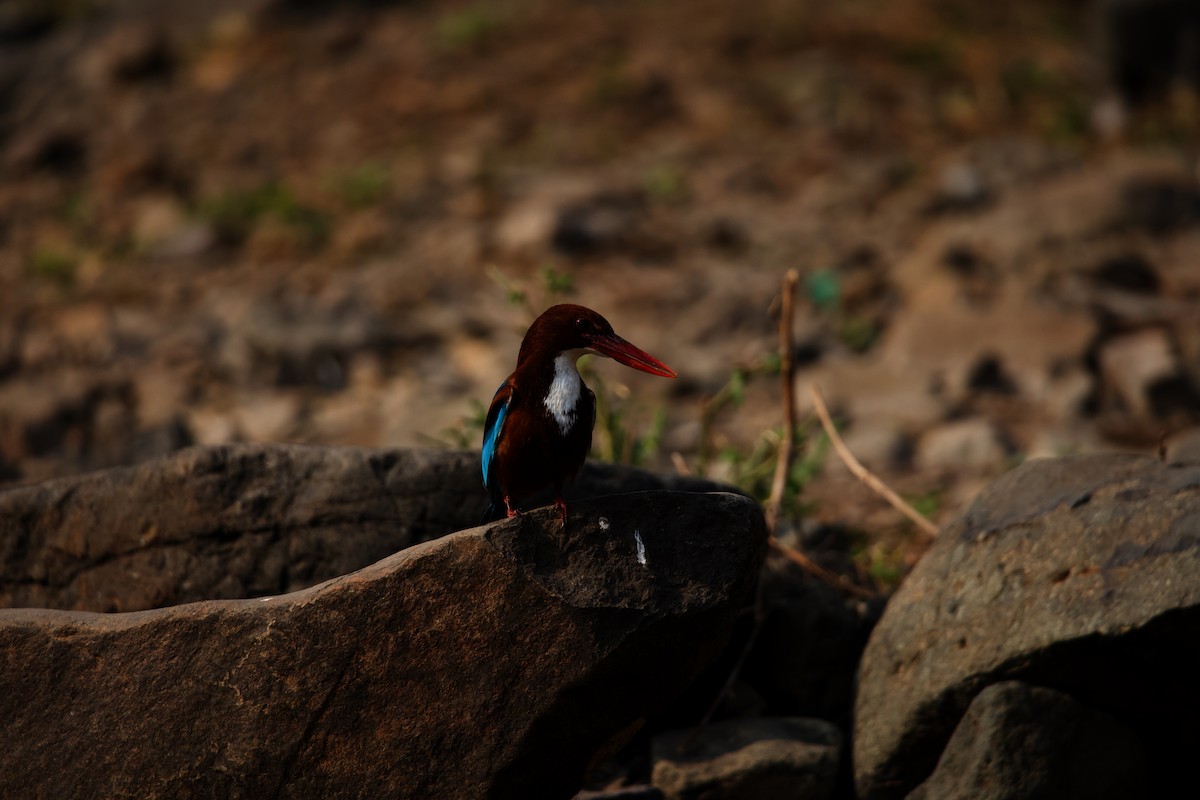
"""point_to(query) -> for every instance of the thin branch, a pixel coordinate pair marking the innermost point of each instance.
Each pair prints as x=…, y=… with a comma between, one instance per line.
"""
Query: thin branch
x=783, y=462
x=786, y=451
x=828, y=576
x=783, y=465
x=862, y=473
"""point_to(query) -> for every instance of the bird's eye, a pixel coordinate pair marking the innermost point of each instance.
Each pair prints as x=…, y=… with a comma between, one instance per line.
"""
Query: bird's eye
x=584, y=325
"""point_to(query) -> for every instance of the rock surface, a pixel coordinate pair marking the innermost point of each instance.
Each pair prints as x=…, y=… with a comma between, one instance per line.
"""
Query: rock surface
x=785, y=758
x=241, y=521
x=1080, y=574
x=495, y=662
x=1019, y=741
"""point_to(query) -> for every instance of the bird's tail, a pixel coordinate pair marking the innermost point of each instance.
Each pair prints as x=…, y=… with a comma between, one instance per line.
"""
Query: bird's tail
x=490, y=513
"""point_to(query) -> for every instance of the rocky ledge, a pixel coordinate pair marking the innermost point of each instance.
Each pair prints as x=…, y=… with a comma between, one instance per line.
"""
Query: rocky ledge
x=245, y=520
x=498, y=661
x=1046, y=645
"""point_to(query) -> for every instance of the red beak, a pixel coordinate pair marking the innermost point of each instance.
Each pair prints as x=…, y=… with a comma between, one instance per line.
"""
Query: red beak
x=620, y=350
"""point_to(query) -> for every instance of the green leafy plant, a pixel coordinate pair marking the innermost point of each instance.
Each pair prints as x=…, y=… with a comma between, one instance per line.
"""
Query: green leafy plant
x=553, y=286
x=514, y=294
x=812, y=452
x=469, y=29
x=752, y=470
x=665, y=184
x=729, y=397
x=928, y=504
x=234, y=214
x=77, y=209
x=884, y=565
x=469, y=430
x=611, y=81
x=364, y=186
x=856, y=332
x=1055, y=103
x=556, y=282
x=614, y=438
x=54, y=265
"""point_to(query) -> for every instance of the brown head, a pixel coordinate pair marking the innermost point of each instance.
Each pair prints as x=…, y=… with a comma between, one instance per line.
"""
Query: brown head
x=568, y=327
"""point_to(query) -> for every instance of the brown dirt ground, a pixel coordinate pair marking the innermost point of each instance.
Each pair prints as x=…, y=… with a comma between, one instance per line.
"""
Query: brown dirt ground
x=295, y=221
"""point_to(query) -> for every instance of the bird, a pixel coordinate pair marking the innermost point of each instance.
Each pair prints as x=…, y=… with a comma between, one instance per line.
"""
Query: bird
x=538, y=428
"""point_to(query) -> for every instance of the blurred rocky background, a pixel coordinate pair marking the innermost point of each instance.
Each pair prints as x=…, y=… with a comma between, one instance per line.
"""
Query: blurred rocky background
x=330, y=223
x=295, y=220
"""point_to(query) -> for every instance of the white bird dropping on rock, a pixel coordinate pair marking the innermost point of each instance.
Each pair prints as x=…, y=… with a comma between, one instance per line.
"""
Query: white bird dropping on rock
x=603, y=523
x=641, y=547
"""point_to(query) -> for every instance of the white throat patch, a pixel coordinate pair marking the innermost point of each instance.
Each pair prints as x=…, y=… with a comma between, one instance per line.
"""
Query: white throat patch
x=562, y=400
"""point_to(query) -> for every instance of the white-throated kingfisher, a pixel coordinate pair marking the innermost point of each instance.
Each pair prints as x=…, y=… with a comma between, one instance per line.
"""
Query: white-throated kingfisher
x=539, y=427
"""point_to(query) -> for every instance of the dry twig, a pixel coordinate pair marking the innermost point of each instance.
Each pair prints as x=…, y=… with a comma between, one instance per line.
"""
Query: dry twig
x=774, y=503
x=829, y=576
x=783, y=466
x=783, y=462
x=862, y=473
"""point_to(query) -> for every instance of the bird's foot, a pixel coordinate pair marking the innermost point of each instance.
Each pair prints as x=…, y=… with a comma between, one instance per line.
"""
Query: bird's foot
x=561, y=505
x=512, y=512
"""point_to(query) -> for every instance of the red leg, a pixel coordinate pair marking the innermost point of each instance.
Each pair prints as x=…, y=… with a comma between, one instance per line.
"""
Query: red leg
x=512, y=512
x=560, y=502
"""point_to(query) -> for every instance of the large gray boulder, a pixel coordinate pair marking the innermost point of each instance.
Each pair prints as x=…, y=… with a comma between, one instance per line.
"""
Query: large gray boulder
x=495, y=662
x=245, y=520
x=1079, y=574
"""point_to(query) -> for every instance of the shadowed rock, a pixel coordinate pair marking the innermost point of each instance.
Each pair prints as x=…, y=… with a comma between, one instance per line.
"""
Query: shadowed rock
x=1078, y=574
x=1019, y=741
x=792, y=758
x=495, y=662
x=241, y=521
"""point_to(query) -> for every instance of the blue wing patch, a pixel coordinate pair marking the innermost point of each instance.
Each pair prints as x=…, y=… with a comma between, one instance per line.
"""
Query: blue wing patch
x=491, y=432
